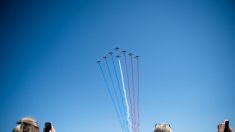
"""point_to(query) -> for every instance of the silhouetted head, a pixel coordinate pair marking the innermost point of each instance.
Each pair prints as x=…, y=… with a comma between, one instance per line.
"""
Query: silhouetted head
x=26, y=124
x=162, y=128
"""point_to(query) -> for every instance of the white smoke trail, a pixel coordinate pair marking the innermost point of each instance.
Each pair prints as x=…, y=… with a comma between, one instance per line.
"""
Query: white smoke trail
x=124, y=92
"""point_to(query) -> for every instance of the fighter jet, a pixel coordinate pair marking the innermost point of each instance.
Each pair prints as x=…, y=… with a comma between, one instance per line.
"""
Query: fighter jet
x=105, y=57
x=117, y=49
x=111, y=53
x=98, y=62
x=130, y=54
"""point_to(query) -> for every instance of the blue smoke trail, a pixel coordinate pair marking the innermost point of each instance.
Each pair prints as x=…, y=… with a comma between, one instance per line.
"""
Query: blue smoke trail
x=112, y=98
x=120, y=93
x=119, y=107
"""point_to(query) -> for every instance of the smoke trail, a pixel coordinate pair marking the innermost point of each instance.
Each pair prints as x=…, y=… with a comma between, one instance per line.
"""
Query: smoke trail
x=127, y=105
x=138, y=93
x=129, y=89
x=124, y=92
x=110, y=94
x=119, y=87
x=133, y=89
x=115, y=92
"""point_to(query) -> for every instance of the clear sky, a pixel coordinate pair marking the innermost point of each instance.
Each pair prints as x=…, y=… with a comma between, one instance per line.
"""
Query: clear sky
x=48, y=52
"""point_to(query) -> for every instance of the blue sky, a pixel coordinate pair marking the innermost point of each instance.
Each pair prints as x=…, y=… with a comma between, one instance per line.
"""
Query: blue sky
x=49, y=49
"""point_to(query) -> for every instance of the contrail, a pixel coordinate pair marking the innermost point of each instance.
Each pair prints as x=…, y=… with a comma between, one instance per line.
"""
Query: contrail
x=123, y=87
x=129, y=89
x=124, y=92
x=133, y=88
x=110, y=93
x=119, y=87
x=138, y=93
x=115, y=92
